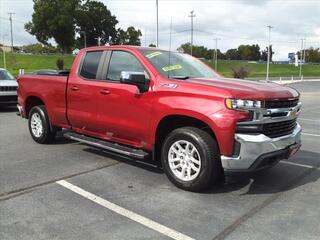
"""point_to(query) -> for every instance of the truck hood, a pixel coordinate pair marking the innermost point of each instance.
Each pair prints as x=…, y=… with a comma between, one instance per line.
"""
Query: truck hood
x=8, y=83
x=246, y=89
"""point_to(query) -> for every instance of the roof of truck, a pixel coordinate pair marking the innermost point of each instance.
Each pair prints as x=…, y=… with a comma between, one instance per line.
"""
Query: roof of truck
x=124, y=46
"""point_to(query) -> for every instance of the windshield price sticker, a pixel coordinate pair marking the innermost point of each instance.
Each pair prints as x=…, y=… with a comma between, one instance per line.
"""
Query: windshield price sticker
x=171, y=68
x=154, y=54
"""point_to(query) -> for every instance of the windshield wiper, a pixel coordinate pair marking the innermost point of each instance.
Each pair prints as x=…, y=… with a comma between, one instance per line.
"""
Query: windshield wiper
x=180, y=77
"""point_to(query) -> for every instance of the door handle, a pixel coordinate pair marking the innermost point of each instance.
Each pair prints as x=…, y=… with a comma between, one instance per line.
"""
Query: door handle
x=105, y=91
x=74, y=88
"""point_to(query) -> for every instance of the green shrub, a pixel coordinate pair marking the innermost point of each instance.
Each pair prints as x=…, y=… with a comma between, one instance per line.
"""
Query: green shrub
x=60, y=64
x=241, y=72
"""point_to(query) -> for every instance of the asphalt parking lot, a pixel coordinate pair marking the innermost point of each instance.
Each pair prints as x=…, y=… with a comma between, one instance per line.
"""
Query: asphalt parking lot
x=71, y=191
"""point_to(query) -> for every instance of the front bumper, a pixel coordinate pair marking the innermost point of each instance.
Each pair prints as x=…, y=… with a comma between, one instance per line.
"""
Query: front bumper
x=258, y=152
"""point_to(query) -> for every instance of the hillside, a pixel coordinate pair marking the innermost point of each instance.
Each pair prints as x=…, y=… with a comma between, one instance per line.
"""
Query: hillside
x=34, y=62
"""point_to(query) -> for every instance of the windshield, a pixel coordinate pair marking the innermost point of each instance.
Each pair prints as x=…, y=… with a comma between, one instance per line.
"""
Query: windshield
x=5, y=75
x=178, y=65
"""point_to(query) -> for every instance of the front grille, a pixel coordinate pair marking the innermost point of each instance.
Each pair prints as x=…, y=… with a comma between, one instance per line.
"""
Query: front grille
x=272, y=130
x=8, y=99
x=8, y=89
x=279, y=129
x=281, y=104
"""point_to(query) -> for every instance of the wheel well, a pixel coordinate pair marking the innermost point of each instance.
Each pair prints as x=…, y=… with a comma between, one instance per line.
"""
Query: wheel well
x=31, y=102
x=170, y=123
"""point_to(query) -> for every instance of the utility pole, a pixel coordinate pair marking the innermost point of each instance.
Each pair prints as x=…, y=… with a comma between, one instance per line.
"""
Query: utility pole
x=216, y=54
x=191, y=16
x=170, y=41
x=157, y=7
x=304, y=50
x=4, y=52
x=268, y=60
x=301, y=57
x=10, y=19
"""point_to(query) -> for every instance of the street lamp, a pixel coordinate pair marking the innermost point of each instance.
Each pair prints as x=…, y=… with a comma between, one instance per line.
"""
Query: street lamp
x=268, y=60
x=157, y=9
x=191, y=16
x=3, y=51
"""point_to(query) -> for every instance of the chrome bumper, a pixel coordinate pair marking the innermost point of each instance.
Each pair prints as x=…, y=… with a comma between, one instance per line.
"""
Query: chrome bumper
x=254, y=147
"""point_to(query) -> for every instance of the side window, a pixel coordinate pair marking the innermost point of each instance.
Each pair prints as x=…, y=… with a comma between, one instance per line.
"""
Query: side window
x=90, y=65
x=122, y=61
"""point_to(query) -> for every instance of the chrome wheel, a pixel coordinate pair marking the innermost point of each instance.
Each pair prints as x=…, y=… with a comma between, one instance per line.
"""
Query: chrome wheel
x=184, y=160
x=36, y=125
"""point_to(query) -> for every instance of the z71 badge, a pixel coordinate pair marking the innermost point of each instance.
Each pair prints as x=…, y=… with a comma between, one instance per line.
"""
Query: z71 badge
x=169, y=85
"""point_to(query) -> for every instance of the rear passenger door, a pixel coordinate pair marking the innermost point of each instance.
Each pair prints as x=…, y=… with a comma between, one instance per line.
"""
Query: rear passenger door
x=83, y=92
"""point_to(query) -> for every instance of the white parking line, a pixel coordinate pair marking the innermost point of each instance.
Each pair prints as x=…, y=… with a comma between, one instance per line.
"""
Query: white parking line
x=300, y=165
x=311, y=134
x=126, y=213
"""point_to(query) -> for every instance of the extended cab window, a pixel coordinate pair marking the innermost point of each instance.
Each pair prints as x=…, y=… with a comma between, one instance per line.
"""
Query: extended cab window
x=90, y=65
x=122, y=61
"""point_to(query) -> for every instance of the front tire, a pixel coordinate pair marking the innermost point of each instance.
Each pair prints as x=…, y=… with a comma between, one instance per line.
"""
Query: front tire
x=39, y=125
x=191, y=159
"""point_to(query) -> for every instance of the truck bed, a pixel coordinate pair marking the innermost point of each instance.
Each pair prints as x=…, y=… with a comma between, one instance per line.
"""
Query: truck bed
x=50, y=89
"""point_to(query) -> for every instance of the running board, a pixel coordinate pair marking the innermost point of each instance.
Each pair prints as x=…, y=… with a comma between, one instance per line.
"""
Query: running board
x=113, y=147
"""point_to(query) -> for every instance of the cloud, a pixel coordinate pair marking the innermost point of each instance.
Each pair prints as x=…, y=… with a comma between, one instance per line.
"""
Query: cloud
x=234, y=22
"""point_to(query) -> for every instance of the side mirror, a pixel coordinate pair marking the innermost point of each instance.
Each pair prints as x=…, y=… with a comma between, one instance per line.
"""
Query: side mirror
x=135, y=78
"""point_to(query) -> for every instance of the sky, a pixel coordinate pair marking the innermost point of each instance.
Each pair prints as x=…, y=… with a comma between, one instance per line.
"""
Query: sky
x=233, y=22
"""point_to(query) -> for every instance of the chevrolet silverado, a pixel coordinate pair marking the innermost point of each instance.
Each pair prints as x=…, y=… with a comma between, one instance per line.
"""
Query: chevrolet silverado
x=148, y=103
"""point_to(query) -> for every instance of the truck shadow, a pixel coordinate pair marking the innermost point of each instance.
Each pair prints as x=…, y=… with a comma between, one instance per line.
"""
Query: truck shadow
x=144, y=164
x=280, y=178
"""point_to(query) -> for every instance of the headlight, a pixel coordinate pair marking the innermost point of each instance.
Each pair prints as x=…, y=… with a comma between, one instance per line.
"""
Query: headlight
x=239, y=104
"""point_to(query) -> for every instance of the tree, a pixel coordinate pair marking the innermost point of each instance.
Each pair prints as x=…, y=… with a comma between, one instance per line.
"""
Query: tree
x=152, y=45
x=232, y=54
x=54, y=19
x=95, y=20
x=264, y=54
x=129, y=37
x=249, y=52
x=313, y=55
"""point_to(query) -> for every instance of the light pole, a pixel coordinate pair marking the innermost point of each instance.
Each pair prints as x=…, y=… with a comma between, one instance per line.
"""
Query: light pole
x=216, y=54
x=191, y=16
x=301, y=57
x=268, y=60
x=304, y=50
x=4, y=52
x=10, y=19
x=85, y=38
x=157, y=10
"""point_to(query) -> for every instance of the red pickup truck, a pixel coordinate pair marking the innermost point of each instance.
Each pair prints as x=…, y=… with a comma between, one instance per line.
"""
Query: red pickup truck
x=168, y=106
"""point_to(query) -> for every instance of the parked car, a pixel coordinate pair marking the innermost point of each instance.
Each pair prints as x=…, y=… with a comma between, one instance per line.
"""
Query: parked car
x=148, y=103
x=8, y=88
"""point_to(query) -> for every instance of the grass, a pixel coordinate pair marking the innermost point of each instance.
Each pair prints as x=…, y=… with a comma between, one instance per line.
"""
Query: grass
x=29, y=63
x=35, y=62
x=259, y=70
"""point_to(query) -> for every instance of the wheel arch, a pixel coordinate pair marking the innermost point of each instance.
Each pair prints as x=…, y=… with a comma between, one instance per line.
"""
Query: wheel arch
x=170, y=122
x=31, y=102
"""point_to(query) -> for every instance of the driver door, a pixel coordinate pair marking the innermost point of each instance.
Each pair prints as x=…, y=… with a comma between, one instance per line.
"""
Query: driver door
x=124, y=113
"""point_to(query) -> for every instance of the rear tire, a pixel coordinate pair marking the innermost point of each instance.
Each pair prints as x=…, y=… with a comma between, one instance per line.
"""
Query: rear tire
x=191, y=159
x=39, y=125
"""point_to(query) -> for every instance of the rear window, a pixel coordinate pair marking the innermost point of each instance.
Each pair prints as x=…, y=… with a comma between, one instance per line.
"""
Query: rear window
x=90, y=65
